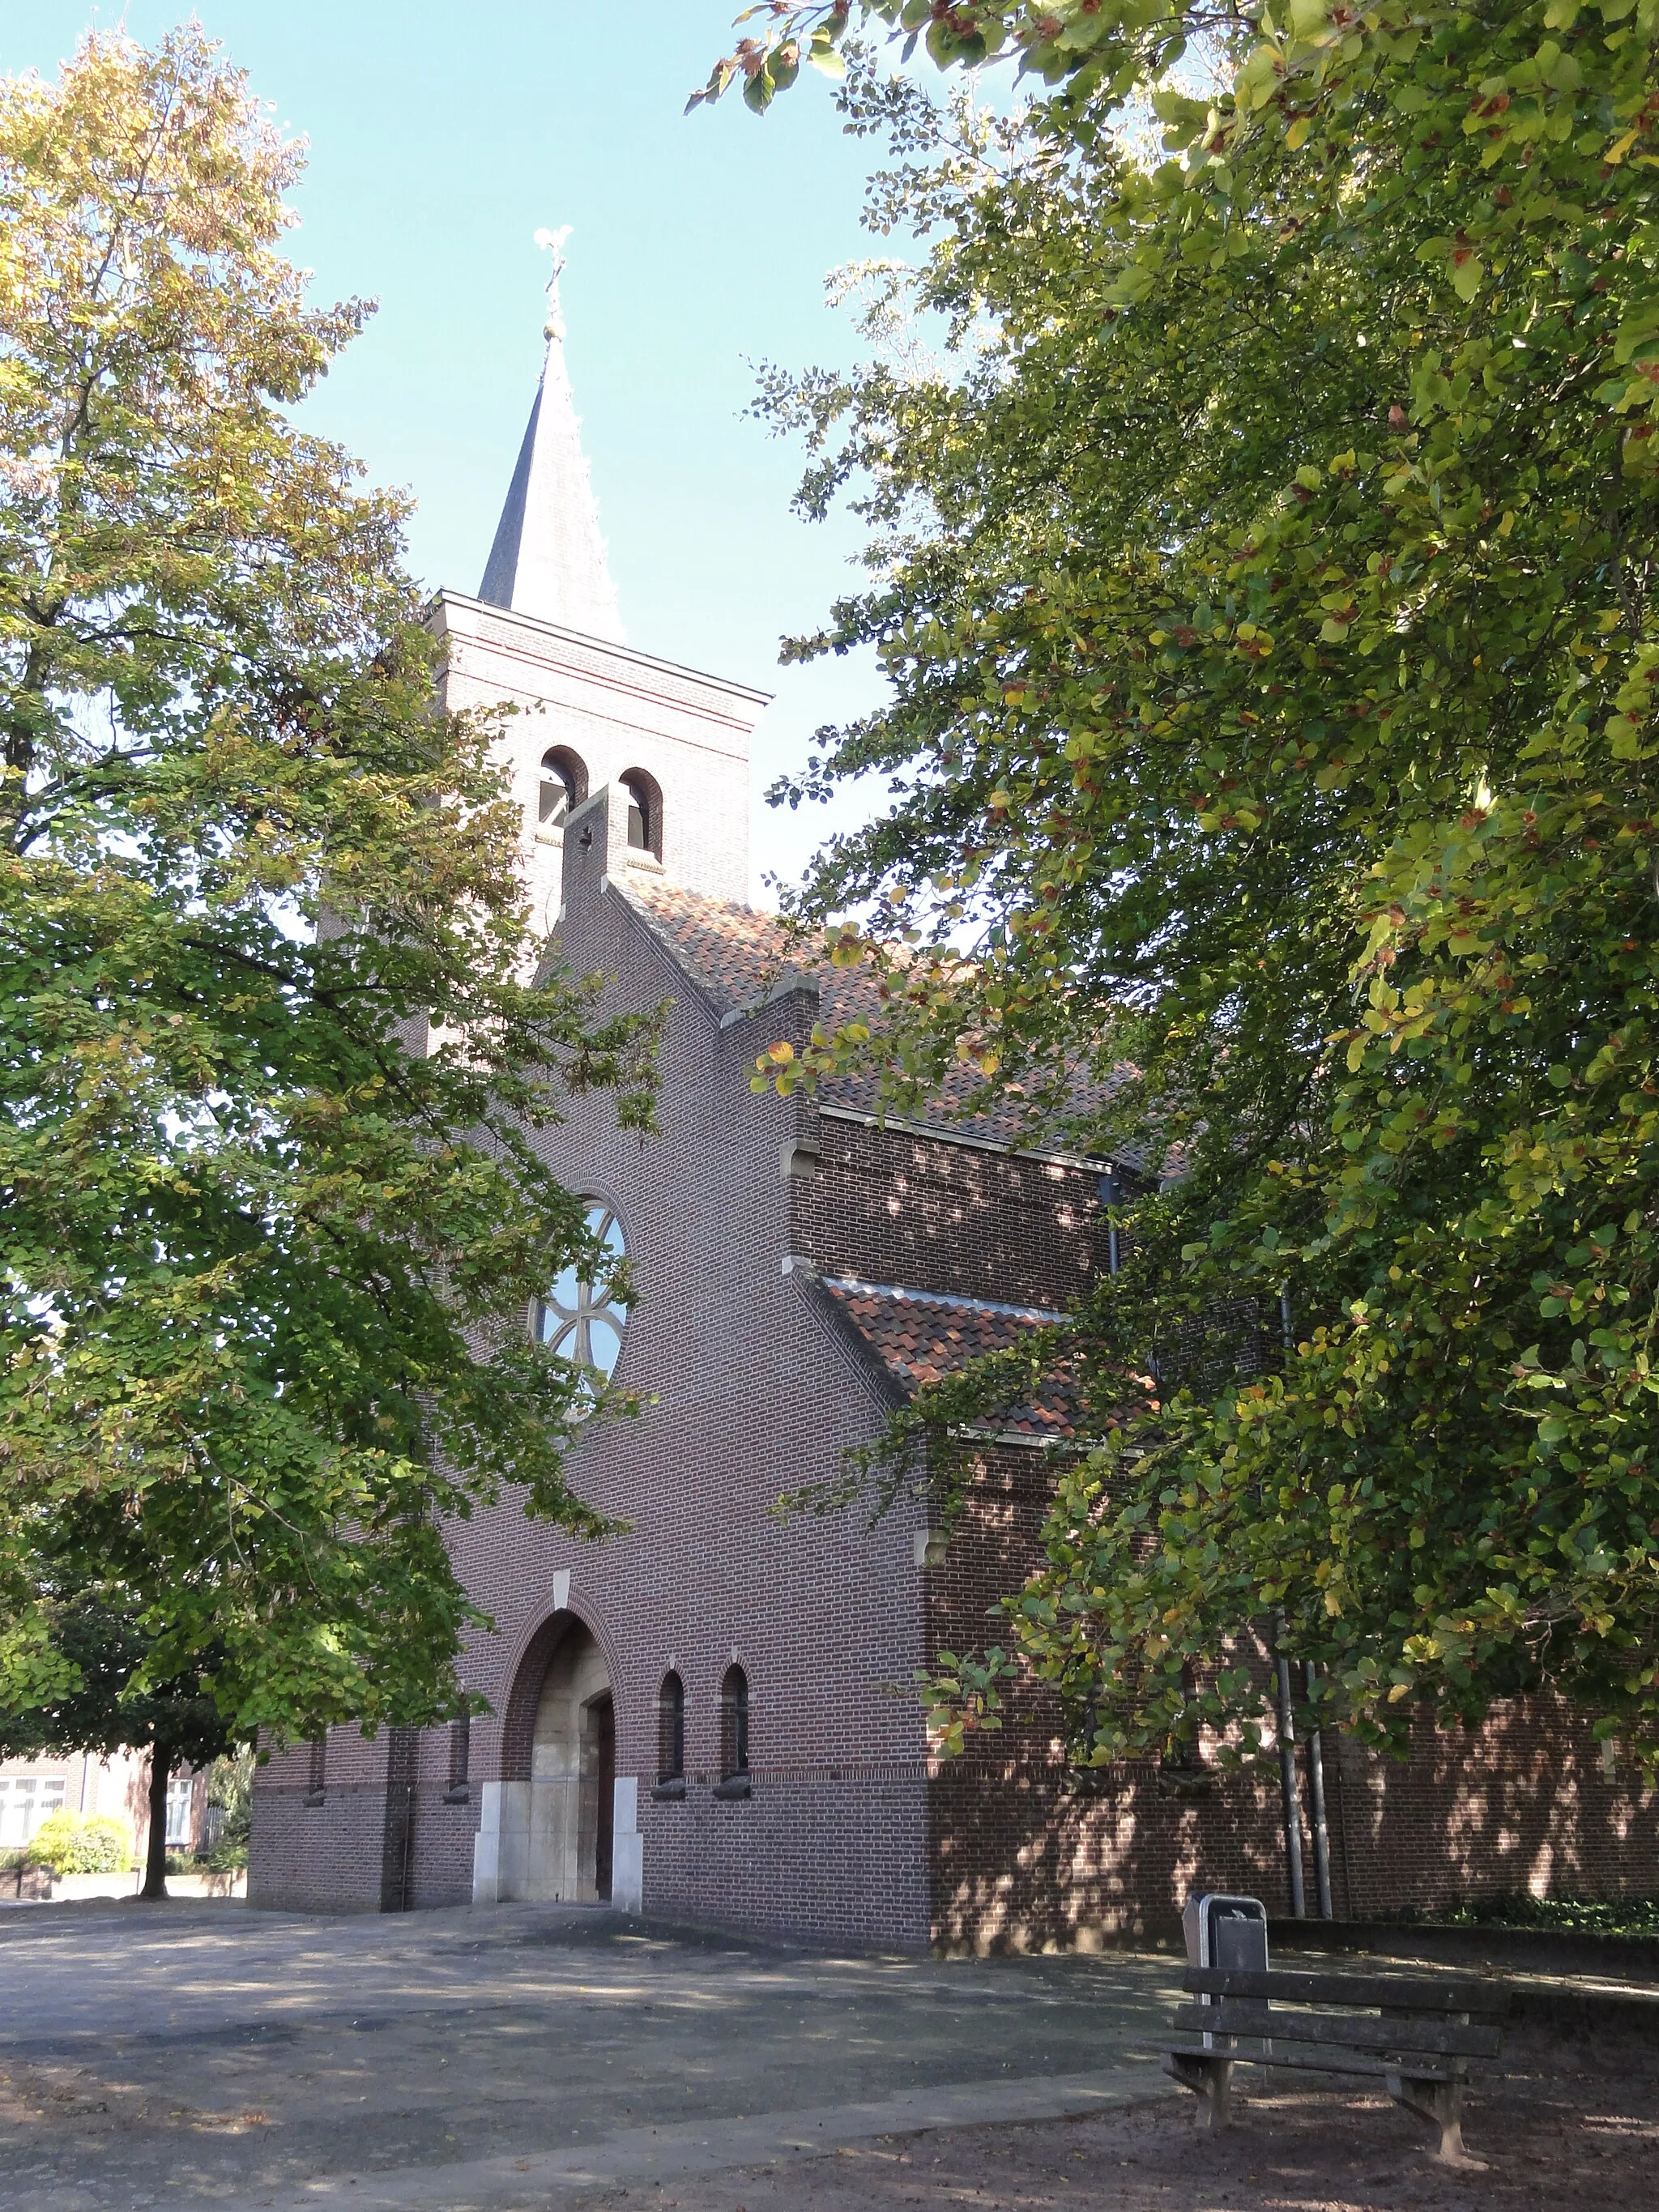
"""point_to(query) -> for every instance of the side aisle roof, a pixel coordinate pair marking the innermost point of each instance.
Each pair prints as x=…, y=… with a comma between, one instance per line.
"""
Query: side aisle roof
x=739, y=956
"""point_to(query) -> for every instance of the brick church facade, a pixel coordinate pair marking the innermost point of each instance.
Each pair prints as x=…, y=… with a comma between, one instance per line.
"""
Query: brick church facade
x=712, y=1715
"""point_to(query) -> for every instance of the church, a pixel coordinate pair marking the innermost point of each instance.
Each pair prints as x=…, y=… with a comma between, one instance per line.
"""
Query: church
x=712, y=1718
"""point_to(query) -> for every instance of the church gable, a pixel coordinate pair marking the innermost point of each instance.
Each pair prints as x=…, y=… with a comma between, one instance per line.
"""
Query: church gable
x=899, y=1239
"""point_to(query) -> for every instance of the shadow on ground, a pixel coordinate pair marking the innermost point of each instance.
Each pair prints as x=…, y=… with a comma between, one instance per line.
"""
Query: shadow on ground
x=1575, y=2129
x=203, y=2055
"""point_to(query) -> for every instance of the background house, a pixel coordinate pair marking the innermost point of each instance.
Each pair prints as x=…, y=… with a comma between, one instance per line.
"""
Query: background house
x=116, y=1787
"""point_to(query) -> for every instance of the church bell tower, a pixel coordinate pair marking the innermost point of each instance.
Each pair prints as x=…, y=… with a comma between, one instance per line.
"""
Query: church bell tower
x=544, y=634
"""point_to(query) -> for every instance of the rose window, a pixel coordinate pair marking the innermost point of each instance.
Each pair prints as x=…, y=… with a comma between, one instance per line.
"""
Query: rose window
x=581, y=1317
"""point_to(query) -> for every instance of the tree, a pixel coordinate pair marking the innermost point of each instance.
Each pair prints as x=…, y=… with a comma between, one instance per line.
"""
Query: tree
x=97, y=1643
x=1266, y=594
x=272, y=1063
x=1092, y=43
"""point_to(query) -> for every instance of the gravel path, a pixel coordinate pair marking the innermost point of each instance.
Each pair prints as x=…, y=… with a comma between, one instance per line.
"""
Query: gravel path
x=1576, y=2129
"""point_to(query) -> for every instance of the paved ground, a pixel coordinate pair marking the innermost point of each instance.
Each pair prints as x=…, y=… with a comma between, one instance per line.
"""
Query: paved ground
x=195, y=2054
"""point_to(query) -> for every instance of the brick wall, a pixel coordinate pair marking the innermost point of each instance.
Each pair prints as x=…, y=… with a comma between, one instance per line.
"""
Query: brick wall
x=889, y=1205
x=330, y=1856
x=832, y=1854
x=1520, y=1804
x=1025, y=1853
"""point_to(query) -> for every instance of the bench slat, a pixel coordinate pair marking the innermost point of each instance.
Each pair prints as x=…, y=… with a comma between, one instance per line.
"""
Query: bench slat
x=1416, y=1994
x=1440, y=2037
x=1332, y=2061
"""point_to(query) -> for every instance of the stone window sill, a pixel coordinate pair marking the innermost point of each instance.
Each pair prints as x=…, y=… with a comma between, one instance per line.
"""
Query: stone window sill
x=735, y=1786
x=674, y=1787
x=648, y=861
x=315, y=1797
x=458, y=1793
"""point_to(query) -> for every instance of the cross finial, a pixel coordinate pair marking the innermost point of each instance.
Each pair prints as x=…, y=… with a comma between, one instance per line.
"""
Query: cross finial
x=552, y=241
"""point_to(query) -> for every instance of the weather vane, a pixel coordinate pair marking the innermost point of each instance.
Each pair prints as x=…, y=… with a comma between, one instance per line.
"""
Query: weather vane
x=552, y=241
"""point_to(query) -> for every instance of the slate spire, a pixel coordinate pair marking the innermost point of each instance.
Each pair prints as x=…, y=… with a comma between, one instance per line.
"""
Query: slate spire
x=548, y=559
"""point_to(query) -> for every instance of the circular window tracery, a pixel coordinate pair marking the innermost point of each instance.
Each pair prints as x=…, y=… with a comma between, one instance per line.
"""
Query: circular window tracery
x=580, y=1316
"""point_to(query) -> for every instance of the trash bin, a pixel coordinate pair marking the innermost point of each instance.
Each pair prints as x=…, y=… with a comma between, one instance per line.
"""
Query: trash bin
x=1230, y=1933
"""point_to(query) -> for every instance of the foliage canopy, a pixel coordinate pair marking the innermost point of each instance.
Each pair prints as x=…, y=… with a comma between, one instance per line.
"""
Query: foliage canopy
x=1265, y=579
x=268, y=1233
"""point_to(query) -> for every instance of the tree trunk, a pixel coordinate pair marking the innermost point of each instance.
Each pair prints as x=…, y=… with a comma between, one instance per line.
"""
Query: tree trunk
x=155, y=1863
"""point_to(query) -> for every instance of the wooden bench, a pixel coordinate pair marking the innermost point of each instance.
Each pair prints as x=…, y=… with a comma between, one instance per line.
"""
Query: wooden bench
x=1417, y=2035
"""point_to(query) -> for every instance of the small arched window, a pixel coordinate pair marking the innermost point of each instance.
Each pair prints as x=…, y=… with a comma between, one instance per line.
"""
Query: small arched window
x=461, y=1759
x=564, y=785
x=734, y=1725
x=671, y=1729
x=644, y=812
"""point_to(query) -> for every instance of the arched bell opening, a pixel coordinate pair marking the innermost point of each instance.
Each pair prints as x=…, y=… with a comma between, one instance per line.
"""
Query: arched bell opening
x=644, y=812
x=563, y=785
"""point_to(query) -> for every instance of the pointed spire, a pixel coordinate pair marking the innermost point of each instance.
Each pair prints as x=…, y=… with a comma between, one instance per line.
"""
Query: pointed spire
x=548, y=559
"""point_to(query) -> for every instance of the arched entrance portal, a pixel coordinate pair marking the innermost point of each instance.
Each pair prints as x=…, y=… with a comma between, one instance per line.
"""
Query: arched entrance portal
x=547, y=1828
x=573, y=1773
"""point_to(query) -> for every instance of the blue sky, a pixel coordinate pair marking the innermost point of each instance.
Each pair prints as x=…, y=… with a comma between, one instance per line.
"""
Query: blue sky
x=440, y=138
